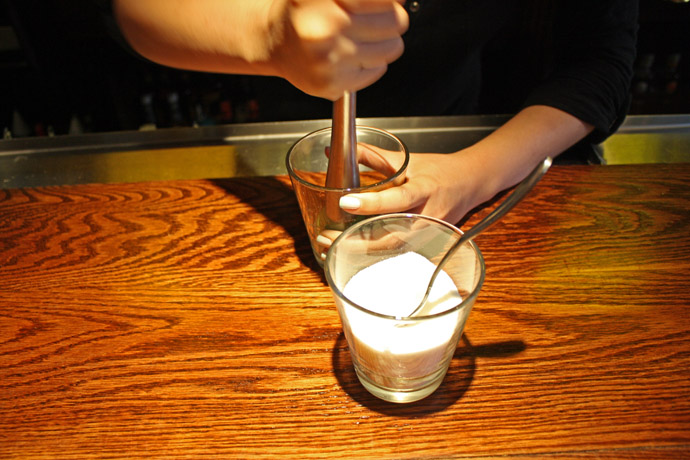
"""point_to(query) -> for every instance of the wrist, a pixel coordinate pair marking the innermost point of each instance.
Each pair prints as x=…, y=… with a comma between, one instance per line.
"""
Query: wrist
x=486, y=175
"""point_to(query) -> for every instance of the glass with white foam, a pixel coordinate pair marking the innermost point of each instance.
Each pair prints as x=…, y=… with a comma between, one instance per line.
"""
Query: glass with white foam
x=307, y=165
x=378, y=271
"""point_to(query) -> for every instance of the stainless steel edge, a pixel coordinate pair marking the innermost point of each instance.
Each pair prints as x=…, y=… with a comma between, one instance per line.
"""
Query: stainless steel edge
x=258, y=149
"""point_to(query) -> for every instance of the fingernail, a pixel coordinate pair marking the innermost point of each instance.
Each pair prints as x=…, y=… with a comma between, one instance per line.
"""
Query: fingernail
x=323, y=256
x=349, y=202
x=323, y=241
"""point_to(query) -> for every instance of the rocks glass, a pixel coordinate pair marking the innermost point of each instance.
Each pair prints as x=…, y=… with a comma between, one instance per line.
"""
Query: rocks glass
x=307, y=164
x=378, y=271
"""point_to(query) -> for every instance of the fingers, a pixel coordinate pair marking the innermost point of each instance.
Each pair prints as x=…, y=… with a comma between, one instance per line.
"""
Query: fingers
x=382, y=238
x=373, y=28
x=340, y=45
x=395, y=199
x=383, y=161
x=377, y=36
x=386, y=162
x=323, y=21
x=370, y=6
x=325, y=239
x=380, y=25
x=365, y=77
x=370, y=55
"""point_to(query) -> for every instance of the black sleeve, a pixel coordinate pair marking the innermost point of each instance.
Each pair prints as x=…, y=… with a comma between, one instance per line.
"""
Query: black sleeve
x=594, y=54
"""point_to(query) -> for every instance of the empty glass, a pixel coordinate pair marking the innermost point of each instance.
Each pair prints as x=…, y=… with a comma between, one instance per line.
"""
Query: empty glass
x=307, y=164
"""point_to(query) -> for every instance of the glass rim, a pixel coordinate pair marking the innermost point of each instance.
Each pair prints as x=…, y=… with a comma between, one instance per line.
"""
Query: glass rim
x=401, y=170
x=463, y=303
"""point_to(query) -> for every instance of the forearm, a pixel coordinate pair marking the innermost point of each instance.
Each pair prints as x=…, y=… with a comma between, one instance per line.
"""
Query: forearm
x=447, y=186
x=507, y=155
x=323, y=47
x=203, y=35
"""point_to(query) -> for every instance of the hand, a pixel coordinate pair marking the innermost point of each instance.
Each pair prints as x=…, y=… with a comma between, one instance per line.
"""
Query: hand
x=327, y=47
x=444, y=186
x=447, y=186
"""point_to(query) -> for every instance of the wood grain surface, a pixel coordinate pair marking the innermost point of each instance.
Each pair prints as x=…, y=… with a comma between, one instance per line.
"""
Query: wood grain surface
x=188, y=319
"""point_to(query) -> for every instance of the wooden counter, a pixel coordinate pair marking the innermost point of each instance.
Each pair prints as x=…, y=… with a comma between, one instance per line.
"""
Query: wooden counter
x=187, y=319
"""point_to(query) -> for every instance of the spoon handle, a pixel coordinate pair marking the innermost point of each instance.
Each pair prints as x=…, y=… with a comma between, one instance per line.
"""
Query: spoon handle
x=514, y=198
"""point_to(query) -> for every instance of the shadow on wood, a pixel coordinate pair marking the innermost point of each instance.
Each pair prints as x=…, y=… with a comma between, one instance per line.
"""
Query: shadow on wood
x=455, y=384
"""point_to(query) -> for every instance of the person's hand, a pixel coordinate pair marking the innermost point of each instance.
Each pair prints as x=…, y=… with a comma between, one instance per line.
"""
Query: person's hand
x=327, y=47
x=445, y=186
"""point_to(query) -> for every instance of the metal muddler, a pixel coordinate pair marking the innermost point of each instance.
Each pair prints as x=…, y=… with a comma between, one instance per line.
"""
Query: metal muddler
x=343, y=172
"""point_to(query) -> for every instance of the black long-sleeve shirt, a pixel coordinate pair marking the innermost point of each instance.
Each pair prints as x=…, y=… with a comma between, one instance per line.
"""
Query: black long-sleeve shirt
x=496, y=56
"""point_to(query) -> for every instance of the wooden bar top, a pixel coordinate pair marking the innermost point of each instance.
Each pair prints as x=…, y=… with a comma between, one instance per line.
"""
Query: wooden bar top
x=188, y=319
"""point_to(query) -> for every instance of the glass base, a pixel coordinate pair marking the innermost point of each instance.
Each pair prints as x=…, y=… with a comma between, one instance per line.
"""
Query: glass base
x=400, y=395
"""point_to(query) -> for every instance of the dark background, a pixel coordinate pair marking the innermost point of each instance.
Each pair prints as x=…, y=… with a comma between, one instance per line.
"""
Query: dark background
x=63, y=72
